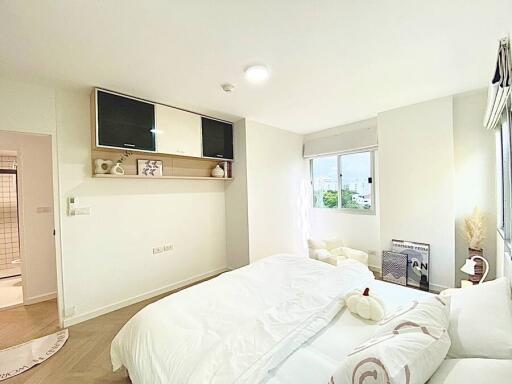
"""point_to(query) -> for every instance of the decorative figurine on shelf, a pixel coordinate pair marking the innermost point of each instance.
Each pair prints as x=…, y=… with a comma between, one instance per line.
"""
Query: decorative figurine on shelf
x=117, y=169
x=102, y=166
x=225, y=167
x=475, y=229
x=217, y=171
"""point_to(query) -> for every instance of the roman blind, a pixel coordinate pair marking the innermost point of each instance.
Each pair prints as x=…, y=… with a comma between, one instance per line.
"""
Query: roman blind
x=499, y=89
x=351, y=141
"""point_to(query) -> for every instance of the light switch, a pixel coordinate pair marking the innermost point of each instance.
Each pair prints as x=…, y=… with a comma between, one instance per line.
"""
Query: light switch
x=82, y=211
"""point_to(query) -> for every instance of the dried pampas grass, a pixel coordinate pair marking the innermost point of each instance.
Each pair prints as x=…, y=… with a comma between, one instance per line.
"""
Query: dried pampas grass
x=474, y=229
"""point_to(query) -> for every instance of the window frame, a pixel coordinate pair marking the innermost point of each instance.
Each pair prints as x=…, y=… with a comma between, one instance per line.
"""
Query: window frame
x=339, y=208
x=504, y=173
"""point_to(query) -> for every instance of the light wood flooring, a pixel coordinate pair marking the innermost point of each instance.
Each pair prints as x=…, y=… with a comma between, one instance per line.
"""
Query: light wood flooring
x=85, y=358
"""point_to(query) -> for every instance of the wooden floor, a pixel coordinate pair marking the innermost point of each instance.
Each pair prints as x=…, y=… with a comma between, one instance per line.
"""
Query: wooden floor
x=85, y=358
x=25, y=323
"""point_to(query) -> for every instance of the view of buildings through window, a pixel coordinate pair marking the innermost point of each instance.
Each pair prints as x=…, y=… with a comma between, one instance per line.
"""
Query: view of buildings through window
x=352, y=171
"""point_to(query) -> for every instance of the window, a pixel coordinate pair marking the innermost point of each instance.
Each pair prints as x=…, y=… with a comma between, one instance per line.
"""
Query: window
x=344, y=182
x=503, y=141
x=325, y=182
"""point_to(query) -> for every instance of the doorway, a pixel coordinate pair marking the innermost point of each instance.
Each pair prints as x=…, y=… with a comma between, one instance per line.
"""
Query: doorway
x=27, y=221
x=11, y=287
x=28, y=263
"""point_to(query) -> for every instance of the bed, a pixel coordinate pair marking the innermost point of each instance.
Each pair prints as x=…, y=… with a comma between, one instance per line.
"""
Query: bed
x=238, y=326
x=280, y=320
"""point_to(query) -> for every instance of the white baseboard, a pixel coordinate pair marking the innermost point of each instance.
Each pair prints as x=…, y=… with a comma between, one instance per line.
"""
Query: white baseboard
x=147, y=295
x=39, y=298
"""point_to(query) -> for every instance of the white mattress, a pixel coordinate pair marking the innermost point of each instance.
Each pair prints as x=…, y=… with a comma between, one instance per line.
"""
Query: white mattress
x=316, y=360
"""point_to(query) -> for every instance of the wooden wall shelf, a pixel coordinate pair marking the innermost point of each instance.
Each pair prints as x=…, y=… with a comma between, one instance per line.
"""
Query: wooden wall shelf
x=174, y=167
x=109, y=176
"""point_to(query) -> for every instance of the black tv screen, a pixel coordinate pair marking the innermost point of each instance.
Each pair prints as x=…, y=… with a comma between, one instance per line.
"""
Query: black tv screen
x=124, y=122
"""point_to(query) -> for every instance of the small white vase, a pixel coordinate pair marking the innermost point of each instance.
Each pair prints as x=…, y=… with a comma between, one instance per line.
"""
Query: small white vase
x=117, y=170
x=217, y=171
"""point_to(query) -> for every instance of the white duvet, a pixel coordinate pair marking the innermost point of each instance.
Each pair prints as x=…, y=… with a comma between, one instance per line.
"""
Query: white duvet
x=236, y=327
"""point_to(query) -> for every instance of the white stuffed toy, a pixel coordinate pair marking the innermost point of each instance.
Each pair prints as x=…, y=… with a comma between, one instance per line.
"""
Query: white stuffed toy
x=366, y=305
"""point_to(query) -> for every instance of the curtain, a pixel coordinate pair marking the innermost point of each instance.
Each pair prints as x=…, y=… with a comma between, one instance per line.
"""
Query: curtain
x=499, y=89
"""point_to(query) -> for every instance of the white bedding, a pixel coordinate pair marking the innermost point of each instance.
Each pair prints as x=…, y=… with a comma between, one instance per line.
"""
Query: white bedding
x=317, y=359
x=238, y=326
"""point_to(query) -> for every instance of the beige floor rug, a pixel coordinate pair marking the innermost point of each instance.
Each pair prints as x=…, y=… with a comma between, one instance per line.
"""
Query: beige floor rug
x=20, y=358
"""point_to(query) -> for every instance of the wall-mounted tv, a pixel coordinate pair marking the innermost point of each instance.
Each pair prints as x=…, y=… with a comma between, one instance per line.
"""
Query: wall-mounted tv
x=124, y=122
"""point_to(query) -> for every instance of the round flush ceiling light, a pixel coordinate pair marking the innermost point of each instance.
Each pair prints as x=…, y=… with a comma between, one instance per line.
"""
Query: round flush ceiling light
x=257, y=73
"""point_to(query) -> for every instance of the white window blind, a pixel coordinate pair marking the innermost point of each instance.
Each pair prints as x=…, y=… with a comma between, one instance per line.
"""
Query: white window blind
x=351, y=141
x=499, y=89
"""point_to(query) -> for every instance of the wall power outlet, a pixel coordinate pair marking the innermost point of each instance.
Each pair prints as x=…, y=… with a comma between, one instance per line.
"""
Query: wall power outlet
x=164, y=248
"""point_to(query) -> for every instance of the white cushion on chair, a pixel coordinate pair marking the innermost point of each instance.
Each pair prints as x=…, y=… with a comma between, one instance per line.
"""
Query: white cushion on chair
x=334, y=243
x=351, y=253
x=321, y=254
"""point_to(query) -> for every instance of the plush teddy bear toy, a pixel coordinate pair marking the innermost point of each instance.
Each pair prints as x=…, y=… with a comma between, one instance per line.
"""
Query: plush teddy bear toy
x=366, y=305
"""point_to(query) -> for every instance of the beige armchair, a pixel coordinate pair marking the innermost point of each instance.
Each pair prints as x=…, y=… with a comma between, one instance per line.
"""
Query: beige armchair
x=333, y=250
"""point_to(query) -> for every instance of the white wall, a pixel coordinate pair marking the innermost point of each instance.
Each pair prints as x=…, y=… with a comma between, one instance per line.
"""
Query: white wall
x=416, y=160
x=101, y=270
x=360, y=231
x=31, y=108
x=475, y=175
x=275, y=180
x=110, y=252
x=237, y=222
x=35, y=190
x=26, y=108
x=107, y=259
x=265, y=205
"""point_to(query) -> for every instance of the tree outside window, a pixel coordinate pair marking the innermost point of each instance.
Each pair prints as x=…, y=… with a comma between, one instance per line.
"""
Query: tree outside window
x=353, y=172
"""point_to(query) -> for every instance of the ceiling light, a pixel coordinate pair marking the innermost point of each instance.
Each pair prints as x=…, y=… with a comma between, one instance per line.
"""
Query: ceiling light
x=257, y=73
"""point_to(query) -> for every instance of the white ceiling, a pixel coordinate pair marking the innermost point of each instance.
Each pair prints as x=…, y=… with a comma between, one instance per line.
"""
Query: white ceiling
x=332, y=61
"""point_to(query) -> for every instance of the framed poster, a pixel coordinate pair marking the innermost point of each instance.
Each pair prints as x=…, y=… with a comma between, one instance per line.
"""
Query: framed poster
x=418, y=259
x=394, y=267
x=149, y=167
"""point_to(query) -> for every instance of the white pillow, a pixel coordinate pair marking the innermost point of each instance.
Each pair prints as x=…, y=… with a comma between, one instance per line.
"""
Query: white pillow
x=481, y=321
x=431, y=312
x=474, y=371
x=410, y=355
x=321, y=254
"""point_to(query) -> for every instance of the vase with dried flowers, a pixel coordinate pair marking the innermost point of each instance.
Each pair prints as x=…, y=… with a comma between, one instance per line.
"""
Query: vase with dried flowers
x=474, y=230
x=117, y=169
